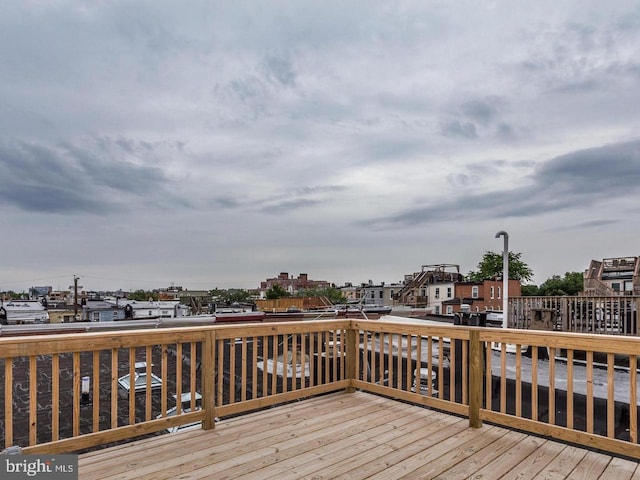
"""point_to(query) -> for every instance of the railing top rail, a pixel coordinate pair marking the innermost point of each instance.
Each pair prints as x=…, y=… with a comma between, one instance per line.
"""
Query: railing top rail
x=91, y=341
x=413, y=328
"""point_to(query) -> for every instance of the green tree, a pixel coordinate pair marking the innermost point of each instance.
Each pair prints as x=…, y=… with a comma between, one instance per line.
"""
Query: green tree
x=333, y=294
x=276, y=291
x=11, y=295
x=142, y=295
x=529, y=290
x=571, y=284
x=491, y=266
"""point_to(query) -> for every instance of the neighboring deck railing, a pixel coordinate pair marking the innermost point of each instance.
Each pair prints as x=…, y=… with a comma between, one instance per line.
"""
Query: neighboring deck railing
x=614, y=315
x=585, y=392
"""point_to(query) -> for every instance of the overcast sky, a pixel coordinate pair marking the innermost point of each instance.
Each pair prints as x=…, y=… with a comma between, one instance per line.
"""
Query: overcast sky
x=215, y=144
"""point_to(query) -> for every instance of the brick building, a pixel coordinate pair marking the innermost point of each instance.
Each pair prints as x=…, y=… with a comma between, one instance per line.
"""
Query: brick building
x=480, y=296
x=293, y=285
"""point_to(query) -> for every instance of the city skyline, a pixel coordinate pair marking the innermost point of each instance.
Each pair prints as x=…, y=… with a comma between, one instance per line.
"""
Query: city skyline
x=215, y=144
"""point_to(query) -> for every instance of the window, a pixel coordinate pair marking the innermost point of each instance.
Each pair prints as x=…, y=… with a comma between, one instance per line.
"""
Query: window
x=474, y=292
x=115, y=314
x=449, y=292
x=499, y=291
x=381, y=294
x=437, y=293
x=492, y=292
x=96, y=316
x=449, y=309
x=437, y=310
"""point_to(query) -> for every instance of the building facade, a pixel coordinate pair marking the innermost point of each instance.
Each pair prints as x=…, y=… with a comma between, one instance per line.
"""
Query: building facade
x=612, y=277
x=292, y=284
x=480, y=296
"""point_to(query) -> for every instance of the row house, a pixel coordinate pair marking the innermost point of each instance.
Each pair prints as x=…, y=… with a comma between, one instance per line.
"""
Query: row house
x=442, y=289
x=118, y=309
x=430, y=287
x=613, y=277
x=480, y=296
x=380, y=294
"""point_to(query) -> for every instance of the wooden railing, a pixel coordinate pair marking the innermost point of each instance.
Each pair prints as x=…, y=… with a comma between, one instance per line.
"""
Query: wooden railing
x=575, y=387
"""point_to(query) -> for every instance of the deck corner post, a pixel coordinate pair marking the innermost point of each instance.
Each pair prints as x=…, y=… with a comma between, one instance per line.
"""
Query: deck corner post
x=351, y=352
x=475, y=378
x=208, y=379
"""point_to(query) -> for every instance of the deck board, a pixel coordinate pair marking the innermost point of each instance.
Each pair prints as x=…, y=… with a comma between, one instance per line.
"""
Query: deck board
x=353, y=436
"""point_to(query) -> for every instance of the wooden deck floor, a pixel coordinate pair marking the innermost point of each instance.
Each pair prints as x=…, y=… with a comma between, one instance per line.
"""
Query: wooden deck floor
x=350, y=436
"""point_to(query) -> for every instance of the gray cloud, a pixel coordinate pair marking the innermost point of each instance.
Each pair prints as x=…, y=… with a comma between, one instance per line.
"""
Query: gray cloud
x=289, y=205
x=482, y=111
x=578, y=179
x=70, y=179
x=457, y=129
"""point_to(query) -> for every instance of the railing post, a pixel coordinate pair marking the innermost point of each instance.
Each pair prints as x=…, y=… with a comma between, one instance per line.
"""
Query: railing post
x=475, y=378
x=208, y=379
x=352, y=351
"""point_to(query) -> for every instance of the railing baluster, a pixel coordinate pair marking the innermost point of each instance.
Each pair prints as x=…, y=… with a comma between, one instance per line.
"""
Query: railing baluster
x=192, y=375
x=243, y=374
x=55, y=397
x=76, y=394
x=465, y=372
x=33, y=400
x=409, y=362
x=372, y=368
x=488, y=377
x=519, y=380
x=342, y=351
x=534, y=384
x=95, y=400
x=452, y=370
x=114, y=388
x=441, y=367
x=254, y=369
x=179, y=379
x=232, y=370
x=274, y=356
x=163, y=376
x=147, y=394
x=570, y=412
x=132, y=385
x=552, y=385
x=389, y=363
x=328, y=351
x=285, y=362
x=610, y=396
x=219, y=374
x=8, y=402
x=590, y=392
x=265, y=373
x=633, y=398
x=503, y=377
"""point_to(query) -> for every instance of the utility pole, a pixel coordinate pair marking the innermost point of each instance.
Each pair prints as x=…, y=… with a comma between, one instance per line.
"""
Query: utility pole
x=75, y=298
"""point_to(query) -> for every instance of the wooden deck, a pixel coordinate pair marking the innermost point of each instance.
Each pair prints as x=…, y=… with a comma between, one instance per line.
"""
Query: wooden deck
x=351, y=436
